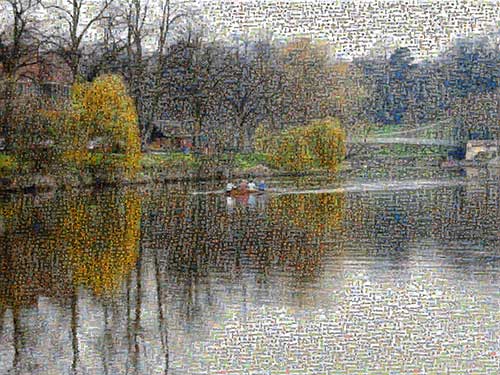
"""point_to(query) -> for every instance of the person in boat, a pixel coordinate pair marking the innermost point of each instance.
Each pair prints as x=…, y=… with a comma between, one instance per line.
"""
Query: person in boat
x=252, y=186
x=230, y=204
x=230, y=187
x=262, y=185
x=243, y=187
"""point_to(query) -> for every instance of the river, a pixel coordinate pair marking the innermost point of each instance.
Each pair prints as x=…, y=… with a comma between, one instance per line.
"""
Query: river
x=379, y=274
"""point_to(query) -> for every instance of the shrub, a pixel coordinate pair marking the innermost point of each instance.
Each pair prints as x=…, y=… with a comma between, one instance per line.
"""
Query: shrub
x=320, y=144
x=33, y=141
x=7, y=165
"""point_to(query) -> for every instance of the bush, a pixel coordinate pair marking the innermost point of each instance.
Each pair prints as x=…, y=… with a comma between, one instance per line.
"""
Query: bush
x=318, y=145
x=8, y=165
x=30, y=138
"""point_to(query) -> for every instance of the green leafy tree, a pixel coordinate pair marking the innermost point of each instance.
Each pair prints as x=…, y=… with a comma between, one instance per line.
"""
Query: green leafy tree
x=320, y=144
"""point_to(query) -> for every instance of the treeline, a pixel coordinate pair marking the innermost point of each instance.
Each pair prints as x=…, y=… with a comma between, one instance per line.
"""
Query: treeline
x=462, y=83
x=223, y=90
x=174, y=72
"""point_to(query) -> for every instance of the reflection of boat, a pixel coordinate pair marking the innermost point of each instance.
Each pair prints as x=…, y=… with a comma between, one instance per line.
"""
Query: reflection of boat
x=240, y=193
x=251, y=199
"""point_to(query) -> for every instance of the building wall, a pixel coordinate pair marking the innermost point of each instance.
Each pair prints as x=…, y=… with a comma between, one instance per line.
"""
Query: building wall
x=475, y=147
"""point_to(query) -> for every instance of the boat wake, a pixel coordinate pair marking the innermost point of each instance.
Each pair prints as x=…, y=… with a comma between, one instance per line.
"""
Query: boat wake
x=353, y=187
x=380, y=186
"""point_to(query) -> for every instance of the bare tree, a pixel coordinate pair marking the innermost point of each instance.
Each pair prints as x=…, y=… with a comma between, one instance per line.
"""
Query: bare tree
x=167, y=19
x=148, y=62
x=78, y=17
x=245, y=91
x=19, y=40
x=107, y=54
x=309, y=81
x=19, y=47
x=196, y=75
x=242, y=87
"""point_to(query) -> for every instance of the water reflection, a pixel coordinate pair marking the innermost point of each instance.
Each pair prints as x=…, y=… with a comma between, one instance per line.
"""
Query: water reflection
x=51, y=247
x=164, y=281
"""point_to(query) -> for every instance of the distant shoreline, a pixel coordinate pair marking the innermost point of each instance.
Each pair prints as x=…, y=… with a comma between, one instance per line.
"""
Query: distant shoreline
x=359, y=169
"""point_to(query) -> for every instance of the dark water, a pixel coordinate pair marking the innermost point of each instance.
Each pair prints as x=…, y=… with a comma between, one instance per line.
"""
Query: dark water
x=366, y=276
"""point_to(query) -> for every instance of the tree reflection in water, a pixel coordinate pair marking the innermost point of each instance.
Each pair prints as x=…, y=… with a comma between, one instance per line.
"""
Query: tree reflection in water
x=129, y=276
x=198, y=234
x=53, y=247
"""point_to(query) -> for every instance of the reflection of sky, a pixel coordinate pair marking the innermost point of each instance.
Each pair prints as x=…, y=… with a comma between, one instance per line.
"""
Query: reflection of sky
x=368, y=321
x=427, y=315
x=371, y=310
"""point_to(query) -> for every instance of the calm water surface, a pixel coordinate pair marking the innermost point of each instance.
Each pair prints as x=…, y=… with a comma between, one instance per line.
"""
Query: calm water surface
x=372, y=275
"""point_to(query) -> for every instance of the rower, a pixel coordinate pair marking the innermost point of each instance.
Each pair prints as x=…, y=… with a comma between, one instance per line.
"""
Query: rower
x=243, y=186
x=230, y=187
x=252, y=186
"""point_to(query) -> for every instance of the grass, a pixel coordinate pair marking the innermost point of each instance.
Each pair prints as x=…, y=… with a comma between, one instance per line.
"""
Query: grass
x=437, y=132
x=168, y=160
x=410, y=151
x=386, y=130
x=249, y=160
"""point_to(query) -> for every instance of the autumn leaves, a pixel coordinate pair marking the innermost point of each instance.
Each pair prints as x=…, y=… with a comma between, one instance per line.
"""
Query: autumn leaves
x=94, y=136
x=318, y=145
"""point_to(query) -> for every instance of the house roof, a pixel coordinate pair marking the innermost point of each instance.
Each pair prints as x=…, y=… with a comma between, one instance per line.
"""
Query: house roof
x=175, y=128
x=482, y=142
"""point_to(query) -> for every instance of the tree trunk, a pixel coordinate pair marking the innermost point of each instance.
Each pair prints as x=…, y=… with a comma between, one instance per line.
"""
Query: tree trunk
x=197, y=134
x=241, y=139
x=146, y=138
x=73, y=65
x=7, y=119
x=240, y=126
x=247, y=145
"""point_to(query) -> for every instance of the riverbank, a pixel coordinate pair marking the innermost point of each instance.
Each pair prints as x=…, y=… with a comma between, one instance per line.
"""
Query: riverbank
x=117, y=159
x=162, y=168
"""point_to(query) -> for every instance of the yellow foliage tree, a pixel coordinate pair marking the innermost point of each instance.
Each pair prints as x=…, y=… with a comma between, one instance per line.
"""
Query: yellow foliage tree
x=105, y=113
x=53, y=138
x=320, y=144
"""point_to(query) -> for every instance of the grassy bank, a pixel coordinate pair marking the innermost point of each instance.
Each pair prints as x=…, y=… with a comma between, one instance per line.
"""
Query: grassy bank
x=156, y=163
x=399, y=151
x=409, y=151
x=154, y=168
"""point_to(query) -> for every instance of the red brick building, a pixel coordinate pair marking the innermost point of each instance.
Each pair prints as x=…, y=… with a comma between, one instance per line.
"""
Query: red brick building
x=44, y=68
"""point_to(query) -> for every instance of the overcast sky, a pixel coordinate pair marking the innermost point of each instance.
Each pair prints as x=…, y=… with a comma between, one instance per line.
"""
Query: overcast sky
x=357, y=26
